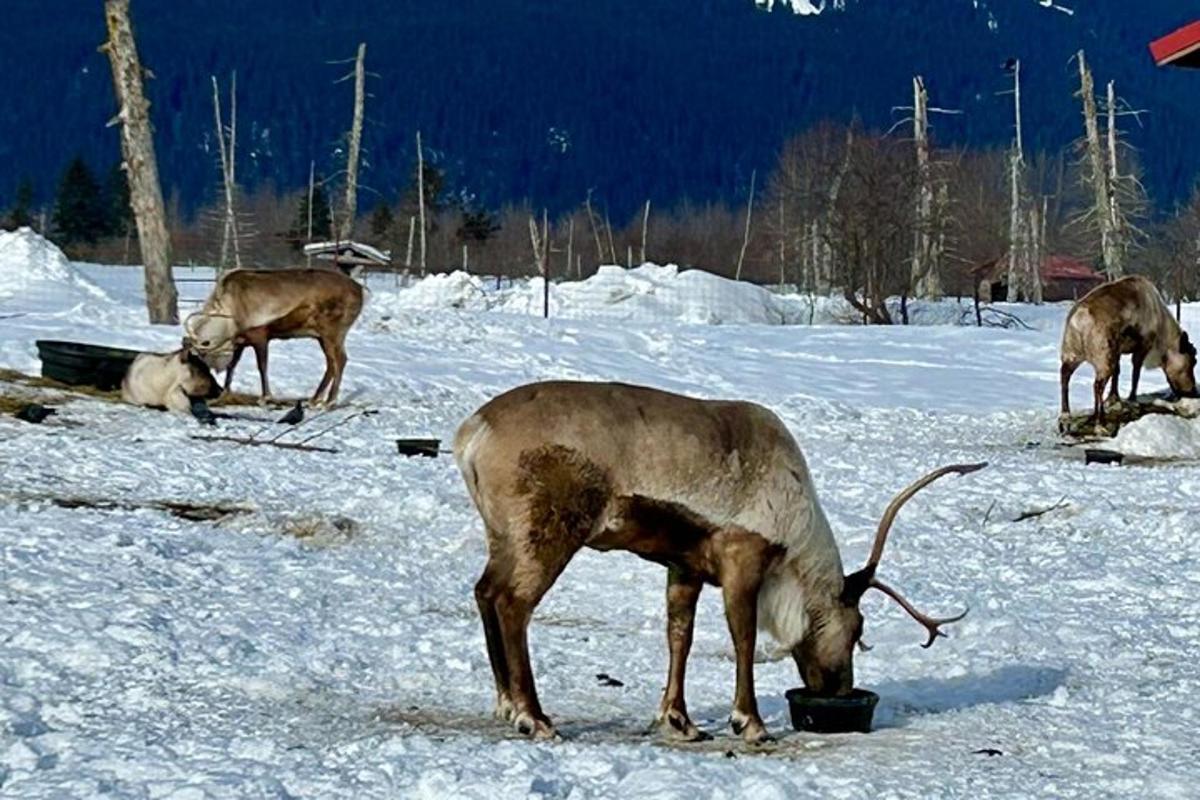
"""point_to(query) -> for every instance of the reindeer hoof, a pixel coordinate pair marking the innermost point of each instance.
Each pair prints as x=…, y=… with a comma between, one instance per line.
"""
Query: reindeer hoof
x=750, y=728
x=675, y=725
x=503, y=710
x=538, y=729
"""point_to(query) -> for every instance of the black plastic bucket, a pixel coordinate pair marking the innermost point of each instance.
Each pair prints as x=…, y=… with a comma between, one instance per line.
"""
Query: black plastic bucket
x=79, y=364
x=849, y=714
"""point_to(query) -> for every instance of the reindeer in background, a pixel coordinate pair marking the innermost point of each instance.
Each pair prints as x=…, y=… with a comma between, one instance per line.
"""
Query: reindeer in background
x=249, y=308
x=1124, y=316
x=718, y=492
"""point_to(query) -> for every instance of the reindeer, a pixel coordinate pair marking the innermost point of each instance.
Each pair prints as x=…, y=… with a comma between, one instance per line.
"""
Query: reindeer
x=168, y=380
x=1124, y=316
x=716, y=491
x=252, y=307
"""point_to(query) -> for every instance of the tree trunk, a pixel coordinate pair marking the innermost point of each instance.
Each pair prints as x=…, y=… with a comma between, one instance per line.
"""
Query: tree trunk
x=1099, y=172
x=421, y=197
x=229, y=235
x=1116, y=225
x=141, y=168
x=1017, y=161
x=645, y=227
x=360, y=78
x=924, y=279
x=737, y=275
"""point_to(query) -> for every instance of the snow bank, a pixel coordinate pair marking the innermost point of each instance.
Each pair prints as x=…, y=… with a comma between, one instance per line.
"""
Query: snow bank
x=667, y=293
x=36, y=277
x=1160, y=436
x=655, y=293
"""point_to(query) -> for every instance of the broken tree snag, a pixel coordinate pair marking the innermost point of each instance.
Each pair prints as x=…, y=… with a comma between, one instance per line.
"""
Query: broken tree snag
x=141, y=168
x=265, y=443
x=352, y=158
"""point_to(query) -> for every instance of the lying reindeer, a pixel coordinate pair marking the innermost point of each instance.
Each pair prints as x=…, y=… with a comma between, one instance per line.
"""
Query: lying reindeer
x=252, y=307
x=168, y=380
x=718, y=492
x=1124, y=316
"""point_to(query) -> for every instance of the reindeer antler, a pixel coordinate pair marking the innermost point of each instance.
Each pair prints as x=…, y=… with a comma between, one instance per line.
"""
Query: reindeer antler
x=865, y=578
x=932, y=625
x=889, y=514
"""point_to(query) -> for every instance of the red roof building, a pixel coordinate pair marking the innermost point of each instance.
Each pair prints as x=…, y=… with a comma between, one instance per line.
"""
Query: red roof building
x=1063, y=278
x=1180, y=48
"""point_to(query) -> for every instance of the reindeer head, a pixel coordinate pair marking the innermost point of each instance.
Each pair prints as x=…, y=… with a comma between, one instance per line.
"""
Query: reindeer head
x=195, y=379
x=1180, y=367
x=825, y=656
x=207, y=332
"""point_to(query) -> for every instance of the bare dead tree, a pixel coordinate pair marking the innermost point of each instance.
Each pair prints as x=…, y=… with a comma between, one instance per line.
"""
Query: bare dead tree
x=229, y=234
x=924, y=279
x=570, y=245
x=595, y=230
x=352, y=156
x=541, y=256
x=1098, y=174
x=140, y=165
x=1016, y=167
x=421, y=199
x=737, y=274
x=645, y=229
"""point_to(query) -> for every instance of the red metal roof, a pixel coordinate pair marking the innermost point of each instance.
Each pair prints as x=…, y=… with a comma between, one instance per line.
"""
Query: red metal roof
x=1065, y=268
x=1054, y=268
x=1180, y=48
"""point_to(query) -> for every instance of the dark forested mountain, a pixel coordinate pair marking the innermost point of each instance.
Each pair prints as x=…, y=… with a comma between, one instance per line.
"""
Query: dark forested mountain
x=636, y=99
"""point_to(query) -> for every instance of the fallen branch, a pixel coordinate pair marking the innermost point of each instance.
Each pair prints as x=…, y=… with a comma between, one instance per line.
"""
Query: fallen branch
x=257, y=443
x=1062, y=503
x=196, y=512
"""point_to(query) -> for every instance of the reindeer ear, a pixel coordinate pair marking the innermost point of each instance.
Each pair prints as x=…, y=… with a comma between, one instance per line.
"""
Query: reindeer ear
x=1185, y=344
x=855, y=585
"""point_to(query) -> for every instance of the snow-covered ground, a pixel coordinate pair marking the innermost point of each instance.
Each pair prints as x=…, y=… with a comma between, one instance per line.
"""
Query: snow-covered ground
x=142, y=655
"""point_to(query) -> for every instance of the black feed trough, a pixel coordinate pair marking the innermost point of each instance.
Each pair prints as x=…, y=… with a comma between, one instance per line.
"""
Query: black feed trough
x=79, y=364
x=419, y=447
x=816, y=714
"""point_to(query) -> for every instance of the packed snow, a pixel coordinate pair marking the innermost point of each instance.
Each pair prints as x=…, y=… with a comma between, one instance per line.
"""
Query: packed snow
x=283, y=652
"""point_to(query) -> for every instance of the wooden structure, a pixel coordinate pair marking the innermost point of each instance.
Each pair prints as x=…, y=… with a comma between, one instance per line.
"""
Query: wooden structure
x=1179, y=48
x=348, y=255
x=1062, y=277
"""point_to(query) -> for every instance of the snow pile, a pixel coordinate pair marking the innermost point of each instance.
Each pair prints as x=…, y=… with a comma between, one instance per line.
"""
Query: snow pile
x=1160, y=436
x=456, y=290
x=655, y=293
x=647, y=293
x=35, y=276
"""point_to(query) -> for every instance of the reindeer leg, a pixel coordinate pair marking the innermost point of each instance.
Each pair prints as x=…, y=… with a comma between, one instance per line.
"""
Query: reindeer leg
x=1064, y=379
x=1114, y=394
x=328, y=348
x=260, y=355
x=742, y=569
x=237, y=355
x=683, y=591
x=534, y=569
x=1098, y=399
x=336, y=386
x=1139, y=357
x=486, y=592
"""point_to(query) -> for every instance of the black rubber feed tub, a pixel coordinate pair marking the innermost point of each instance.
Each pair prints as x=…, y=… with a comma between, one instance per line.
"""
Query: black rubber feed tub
x=79, y=364
x=849, y=714
x=428, y=448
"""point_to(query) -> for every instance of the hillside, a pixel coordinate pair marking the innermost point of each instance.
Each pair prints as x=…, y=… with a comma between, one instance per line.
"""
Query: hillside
x=667, y=99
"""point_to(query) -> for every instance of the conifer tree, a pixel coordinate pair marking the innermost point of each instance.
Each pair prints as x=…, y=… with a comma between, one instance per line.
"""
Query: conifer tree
x=79, y=213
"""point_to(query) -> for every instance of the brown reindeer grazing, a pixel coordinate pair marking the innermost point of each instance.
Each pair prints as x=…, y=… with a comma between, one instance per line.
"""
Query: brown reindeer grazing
x=168, y=380
x=1124, y=316
x=251, y=307
x=718, y=492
